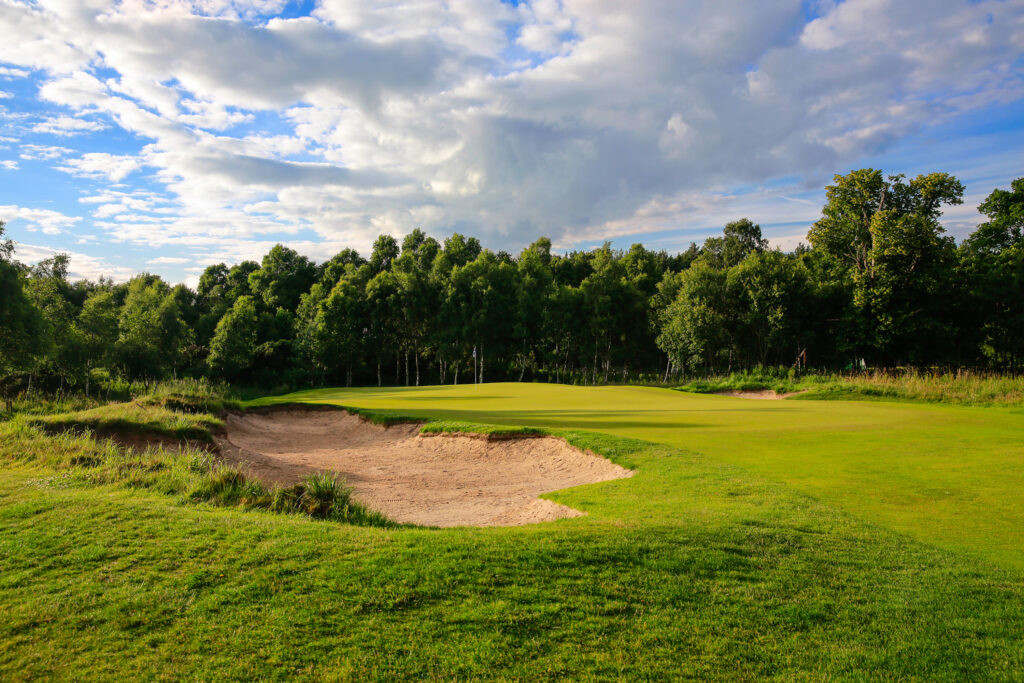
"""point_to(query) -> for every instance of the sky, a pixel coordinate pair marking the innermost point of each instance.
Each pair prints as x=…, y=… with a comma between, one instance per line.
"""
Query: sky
x=166, y=135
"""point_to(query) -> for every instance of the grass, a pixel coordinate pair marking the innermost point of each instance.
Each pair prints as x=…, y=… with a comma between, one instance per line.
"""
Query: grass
x=699, y=566
x=960, y=388
x=132, y=418
x=178, y=463
x=942, y=474
x=190, y=396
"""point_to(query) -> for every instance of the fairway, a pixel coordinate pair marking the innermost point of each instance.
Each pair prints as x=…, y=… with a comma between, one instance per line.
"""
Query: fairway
x=948, y=476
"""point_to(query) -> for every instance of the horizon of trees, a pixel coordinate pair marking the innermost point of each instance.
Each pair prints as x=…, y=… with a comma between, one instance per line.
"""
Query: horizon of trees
x=880, y=284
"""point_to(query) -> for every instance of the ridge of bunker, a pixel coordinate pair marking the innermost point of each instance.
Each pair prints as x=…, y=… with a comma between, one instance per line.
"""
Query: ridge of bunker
x=439, y=480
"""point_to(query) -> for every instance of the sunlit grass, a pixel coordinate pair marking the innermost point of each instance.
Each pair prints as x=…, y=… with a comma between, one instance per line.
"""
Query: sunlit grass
x=964, y=387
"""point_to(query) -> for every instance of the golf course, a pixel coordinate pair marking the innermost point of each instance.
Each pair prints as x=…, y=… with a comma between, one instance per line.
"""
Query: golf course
x=944, y=475
x=756, y=539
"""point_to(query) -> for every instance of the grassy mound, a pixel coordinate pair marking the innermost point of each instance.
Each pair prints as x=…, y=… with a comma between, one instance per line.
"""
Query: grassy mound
x=171, y=455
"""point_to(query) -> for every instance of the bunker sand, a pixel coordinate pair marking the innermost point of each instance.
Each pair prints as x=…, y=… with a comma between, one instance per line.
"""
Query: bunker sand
x=435, y=480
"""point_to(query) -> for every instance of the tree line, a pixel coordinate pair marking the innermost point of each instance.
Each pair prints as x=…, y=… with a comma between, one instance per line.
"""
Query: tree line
x=880, y=284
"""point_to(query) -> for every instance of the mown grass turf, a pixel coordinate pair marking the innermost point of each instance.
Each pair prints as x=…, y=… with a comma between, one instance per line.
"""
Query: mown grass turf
x=693, y=568
x=690, y=569
x=947, y=475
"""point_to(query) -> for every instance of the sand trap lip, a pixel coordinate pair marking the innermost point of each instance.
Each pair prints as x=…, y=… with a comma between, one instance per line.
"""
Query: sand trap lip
x=435, y=480
x=763, y=394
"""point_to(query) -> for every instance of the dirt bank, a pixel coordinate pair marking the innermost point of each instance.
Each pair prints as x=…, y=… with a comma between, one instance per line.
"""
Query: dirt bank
x=436, y=480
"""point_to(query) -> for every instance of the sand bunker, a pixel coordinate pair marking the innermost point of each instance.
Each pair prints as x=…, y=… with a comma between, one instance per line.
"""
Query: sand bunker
x=435, y=480
x=764, y=394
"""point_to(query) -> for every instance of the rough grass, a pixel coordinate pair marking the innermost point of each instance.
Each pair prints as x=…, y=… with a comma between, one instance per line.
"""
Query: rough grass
x=75, y=444
x=954, y=388
x=132, y=418
x=690, y=569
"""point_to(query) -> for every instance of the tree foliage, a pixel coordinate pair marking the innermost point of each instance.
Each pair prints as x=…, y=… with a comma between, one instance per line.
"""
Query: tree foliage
x=881, y=283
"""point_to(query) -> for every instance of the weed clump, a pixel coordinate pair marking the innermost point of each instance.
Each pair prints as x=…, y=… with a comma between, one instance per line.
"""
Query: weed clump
x=324, y=496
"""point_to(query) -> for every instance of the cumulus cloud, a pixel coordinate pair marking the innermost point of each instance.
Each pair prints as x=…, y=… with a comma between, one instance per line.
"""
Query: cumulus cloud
x=80, y=266
x=580, y=119
x=46, y=220
x=65, y=126
x=101, y=166
x=7, y=72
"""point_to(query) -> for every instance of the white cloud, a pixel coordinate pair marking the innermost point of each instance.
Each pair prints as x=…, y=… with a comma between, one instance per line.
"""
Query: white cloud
x=48, y=221
x=65, y=126
x=42, y=152
x=581, y=119
x=80, y=266
x=7, y=72
x=101, y=166
x=169, y=260
x=9, y=164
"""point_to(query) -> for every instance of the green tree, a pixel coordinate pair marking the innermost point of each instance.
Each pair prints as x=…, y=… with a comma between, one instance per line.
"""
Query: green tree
x=887, y=233
x=22, y=326
x=739, y=239
x=233, y=347
x=283, y=277
x=697, y=328
x=151, y=331
x=993, y=258
x=97, y=327
x=770, y=294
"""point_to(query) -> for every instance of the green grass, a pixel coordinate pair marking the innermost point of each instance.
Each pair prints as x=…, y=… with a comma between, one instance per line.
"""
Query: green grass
x=946, y=475
x=961, y=388
x=90, y=448
x=719, y=559
x=132, y=418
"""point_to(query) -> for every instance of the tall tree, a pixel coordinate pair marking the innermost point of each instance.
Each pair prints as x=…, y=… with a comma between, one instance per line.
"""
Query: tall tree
x=233, y=347
x=887, y=233
x=151, y=331
x=993, y=258
x=97, y=328
x=283, y=277
x=22, y=326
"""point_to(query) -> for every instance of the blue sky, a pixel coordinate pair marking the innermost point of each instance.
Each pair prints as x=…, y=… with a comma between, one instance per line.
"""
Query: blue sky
x=167, y=135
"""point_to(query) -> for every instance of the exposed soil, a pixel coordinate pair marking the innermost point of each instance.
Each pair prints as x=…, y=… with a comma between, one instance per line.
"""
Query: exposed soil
x=763, y=394
x=435, y=480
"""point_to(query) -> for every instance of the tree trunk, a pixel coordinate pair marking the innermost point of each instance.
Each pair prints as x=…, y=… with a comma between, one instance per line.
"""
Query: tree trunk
x=668, y=366
x=416, y=358
x=407, y=367
x=378, y=372
x=398, y=368
x=481, y=364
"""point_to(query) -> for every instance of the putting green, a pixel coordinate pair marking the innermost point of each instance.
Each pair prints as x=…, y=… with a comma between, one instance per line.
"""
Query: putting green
x=946, y=475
